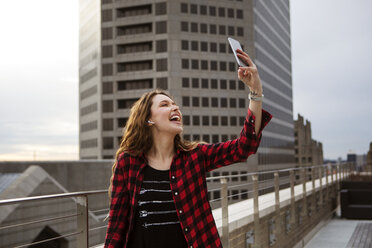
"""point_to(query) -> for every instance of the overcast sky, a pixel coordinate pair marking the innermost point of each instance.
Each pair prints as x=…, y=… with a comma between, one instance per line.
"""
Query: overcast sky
x=331, y=67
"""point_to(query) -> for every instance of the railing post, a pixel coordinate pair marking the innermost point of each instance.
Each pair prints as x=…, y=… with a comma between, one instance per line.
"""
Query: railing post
x=82, y=220
x=313, y=202
x=293, y=209
x=225, y=213
x=256, y=216
x=321, y=173
x=304, y=200
x=277, y=206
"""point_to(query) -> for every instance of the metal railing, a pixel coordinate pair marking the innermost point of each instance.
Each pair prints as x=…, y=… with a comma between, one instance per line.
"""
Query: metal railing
x=253, y=188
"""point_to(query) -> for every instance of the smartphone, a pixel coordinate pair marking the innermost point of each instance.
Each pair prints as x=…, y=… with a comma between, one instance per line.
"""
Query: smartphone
x=234, y=46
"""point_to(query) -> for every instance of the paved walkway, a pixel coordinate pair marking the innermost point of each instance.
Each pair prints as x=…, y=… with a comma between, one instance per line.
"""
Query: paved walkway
x=343, y=233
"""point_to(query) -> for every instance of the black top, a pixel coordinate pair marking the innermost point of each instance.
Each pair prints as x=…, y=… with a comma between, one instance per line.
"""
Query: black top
x=156, y=222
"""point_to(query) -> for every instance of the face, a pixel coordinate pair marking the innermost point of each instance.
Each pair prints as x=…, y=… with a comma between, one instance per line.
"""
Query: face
x=166, y=115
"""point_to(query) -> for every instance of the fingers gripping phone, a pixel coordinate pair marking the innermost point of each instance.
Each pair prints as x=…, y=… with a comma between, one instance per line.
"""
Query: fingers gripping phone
x=234, y=46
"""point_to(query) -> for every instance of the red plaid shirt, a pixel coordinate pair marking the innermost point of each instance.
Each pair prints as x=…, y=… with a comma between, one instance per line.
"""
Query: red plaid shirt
x=188, y=184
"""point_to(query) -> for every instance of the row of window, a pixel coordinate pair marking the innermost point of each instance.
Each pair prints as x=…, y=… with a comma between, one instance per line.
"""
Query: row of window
x=212, y=121
x=215, y=102
x=205, y=83
x=161, y=83
x=204, y=46
x=211, y=11
x=205, y=28
x=212, y=65
x=108, y=142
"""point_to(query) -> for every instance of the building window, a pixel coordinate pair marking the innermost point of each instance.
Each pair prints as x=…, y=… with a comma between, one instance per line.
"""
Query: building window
x=203, y=9
x=213, y=47
x=233, y=121
x=106, y=33
x=122, y=122
x=107, y=106
x=205, y=121
x=135, y=66
x=194, y=45
x=134, y=29
x=231, y=30
x=204, y=46
x=241, y=103
x=134, y=47
x=162, y=83
x=161, y=46
x=161, y=27
x=89, y=143
x=221, y=12
x=215, y=138
x=135, y=84
x=223, y=102
x=230, y=13
x=222, y=48
x=185, y=82
x=212, y=29
x=232, y=103
x=239, y=14
x=108, y=143
x=186, y=121
x=214, y=102
x=241, y=120
x=184, y=45
x=184, y=8
x=185, y=26
x=161, y=64
x=206, y=138
x=196, y=122
x=195, y=64
x=232, y=66
x=205, y=101
x=134, y=11
x=203, y=28
x=185, y=64
x=195, y=101
x=126, y=103
x=193, y=9
x=195, y=83
x=232, y=84
x=224, y=120
x=196, y=137
x=107, y=69
x=107, y=88
x=194, y=27
x=214, y=120
x=223, y=84
x=108, y=124
x=212, y=11
x=214, y=65
x=185, y=101
x=224, y=137
x=204, y=82
x=223, y=66
x=240, y=31
x=106, y=51
x=186, y=137
x=222, y=29
x=107, y=15
x=214, y=83
x=89, y=126
x=204, y=65
x=161, y=8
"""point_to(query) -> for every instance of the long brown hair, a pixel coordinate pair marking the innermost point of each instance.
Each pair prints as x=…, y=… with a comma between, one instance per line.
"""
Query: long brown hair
x=137, y=136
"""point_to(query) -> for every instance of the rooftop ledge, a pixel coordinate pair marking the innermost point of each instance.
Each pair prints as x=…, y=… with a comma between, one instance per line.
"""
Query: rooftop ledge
x=241, y=213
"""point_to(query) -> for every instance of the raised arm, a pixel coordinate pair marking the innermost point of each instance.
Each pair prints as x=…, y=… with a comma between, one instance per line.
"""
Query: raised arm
x=249, y=75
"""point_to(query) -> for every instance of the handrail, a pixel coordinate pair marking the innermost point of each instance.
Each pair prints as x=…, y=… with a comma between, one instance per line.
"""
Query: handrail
x=48, y=197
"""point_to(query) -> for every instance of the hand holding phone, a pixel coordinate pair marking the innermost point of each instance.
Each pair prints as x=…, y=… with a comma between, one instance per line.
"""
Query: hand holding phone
x=235, y=45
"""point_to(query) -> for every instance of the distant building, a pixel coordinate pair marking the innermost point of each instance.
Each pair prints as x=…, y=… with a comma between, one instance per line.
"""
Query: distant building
x=359, y=160
x=308, y=152
x=369, y=155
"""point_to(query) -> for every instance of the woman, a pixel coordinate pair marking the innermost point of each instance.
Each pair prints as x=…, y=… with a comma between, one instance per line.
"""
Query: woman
x=158, y=190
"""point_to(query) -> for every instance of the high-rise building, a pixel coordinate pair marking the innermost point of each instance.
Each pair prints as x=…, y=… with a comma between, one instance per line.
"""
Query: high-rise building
x=130, y=47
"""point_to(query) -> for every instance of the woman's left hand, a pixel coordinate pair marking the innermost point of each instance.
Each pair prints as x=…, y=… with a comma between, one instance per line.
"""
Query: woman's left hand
x=249, y=74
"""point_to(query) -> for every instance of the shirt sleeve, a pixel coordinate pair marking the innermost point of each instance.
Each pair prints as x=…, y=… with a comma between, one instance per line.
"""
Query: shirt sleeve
x=119, y=208
x=237, y=150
